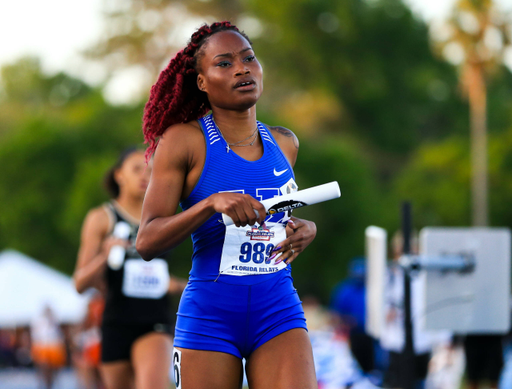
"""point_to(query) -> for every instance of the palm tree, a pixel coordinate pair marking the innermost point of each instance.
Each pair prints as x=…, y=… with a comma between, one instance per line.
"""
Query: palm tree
x=476, y=41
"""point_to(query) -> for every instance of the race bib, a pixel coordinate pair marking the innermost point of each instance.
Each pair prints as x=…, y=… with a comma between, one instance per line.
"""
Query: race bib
x=176, y=362
x=143, y=279
x=247, y=250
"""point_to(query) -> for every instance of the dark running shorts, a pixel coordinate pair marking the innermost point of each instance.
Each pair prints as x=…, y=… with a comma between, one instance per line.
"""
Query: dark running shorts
x=118, y=339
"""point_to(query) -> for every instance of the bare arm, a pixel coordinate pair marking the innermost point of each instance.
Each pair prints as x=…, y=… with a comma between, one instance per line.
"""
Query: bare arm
x=178, y=162
x=93, y=252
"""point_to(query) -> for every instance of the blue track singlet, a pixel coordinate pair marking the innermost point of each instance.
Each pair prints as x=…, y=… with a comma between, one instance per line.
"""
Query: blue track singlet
x=237, y=298
x=230, y=250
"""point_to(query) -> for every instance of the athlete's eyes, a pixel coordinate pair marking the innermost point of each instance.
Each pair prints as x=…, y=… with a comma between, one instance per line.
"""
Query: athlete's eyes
x=223, y=64
x=250, y=58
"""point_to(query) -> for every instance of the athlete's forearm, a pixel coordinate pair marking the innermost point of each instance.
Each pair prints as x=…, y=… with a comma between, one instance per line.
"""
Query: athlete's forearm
x=91, y=274
x=161, y=234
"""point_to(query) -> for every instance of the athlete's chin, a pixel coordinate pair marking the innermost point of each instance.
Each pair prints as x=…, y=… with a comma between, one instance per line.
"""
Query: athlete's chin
x=244, y=102
x=246, y=106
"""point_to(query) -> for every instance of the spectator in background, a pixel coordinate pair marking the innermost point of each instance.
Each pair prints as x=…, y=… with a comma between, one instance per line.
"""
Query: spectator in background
x=393, y=332
x=317, y=316
x=137, y=322
x=348, y=302
x=22, y=353
x=87, y=342
x=484, y=359
x=7, y=347
x=48, y=346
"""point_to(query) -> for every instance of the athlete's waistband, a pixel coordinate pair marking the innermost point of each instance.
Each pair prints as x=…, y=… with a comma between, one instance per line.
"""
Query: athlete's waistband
x=243, y=280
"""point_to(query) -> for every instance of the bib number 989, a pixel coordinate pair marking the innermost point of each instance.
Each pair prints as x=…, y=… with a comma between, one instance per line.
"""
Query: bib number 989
x=257, y=252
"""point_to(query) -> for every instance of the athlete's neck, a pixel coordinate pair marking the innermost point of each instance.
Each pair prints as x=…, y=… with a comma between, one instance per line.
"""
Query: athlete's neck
x=131, y=205
x=235, y=125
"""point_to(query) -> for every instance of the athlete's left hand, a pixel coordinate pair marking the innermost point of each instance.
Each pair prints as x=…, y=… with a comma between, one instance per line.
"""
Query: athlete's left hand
x=300, y=234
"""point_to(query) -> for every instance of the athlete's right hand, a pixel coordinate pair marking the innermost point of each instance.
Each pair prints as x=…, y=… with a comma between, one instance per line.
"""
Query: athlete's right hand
x=110, y=242
x=239, y=207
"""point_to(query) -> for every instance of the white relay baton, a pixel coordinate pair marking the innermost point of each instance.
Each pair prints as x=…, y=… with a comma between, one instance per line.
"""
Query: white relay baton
x=301, y=198
x=117, y=253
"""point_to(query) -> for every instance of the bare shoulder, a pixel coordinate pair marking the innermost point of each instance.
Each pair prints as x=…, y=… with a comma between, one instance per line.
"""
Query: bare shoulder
x=284, y=135
x=180, y=144
x=288, y=142
x=181, y=134
x=97, y=220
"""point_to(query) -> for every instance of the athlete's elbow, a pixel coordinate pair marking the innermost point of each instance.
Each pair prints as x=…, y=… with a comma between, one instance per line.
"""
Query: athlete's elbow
x=78, y=288
x=79, y=285
x=143, y=247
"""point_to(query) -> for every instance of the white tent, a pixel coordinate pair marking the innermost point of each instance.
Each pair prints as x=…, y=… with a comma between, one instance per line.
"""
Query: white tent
x=27, y=286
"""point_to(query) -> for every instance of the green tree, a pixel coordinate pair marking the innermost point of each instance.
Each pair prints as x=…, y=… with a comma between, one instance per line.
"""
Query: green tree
x=479, y=31
x=373, y=59
x=52, y=150
x=437, y=181
x=355, y=67
x=147, y=32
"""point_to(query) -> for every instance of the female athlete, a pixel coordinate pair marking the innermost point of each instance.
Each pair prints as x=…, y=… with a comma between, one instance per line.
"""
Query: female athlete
x=137, y=322
x=240, y=301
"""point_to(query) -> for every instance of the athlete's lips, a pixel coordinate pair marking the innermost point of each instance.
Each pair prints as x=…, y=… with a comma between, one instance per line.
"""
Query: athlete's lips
x=247, y=82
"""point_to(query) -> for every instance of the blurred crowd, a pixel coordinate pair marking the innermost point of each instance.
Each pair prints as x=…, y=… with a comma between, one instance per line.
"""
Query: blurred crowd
x=345, y=355
x=48, y=346
x=442, y=360
x=15, y=347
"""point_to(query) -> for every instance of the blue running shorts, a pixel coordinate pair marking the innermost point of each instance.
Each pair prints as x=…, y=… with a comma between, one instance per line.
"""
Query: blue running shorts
x=225, y=316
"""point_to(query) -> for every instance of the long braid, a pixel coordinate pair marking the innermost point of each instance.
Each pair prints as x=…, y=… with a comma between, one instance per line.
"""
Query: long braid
x=175, y=97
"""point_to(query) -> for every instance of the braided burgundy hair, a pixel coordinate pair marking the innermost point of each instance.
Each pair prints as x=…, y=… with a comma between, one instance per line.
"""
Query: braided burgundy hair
x=175, y=98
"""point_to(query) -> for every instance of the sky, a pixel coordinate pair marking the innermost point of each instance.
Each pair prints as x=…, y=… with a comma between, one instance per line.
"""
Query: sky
x=55, y=30
x=58, y=30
